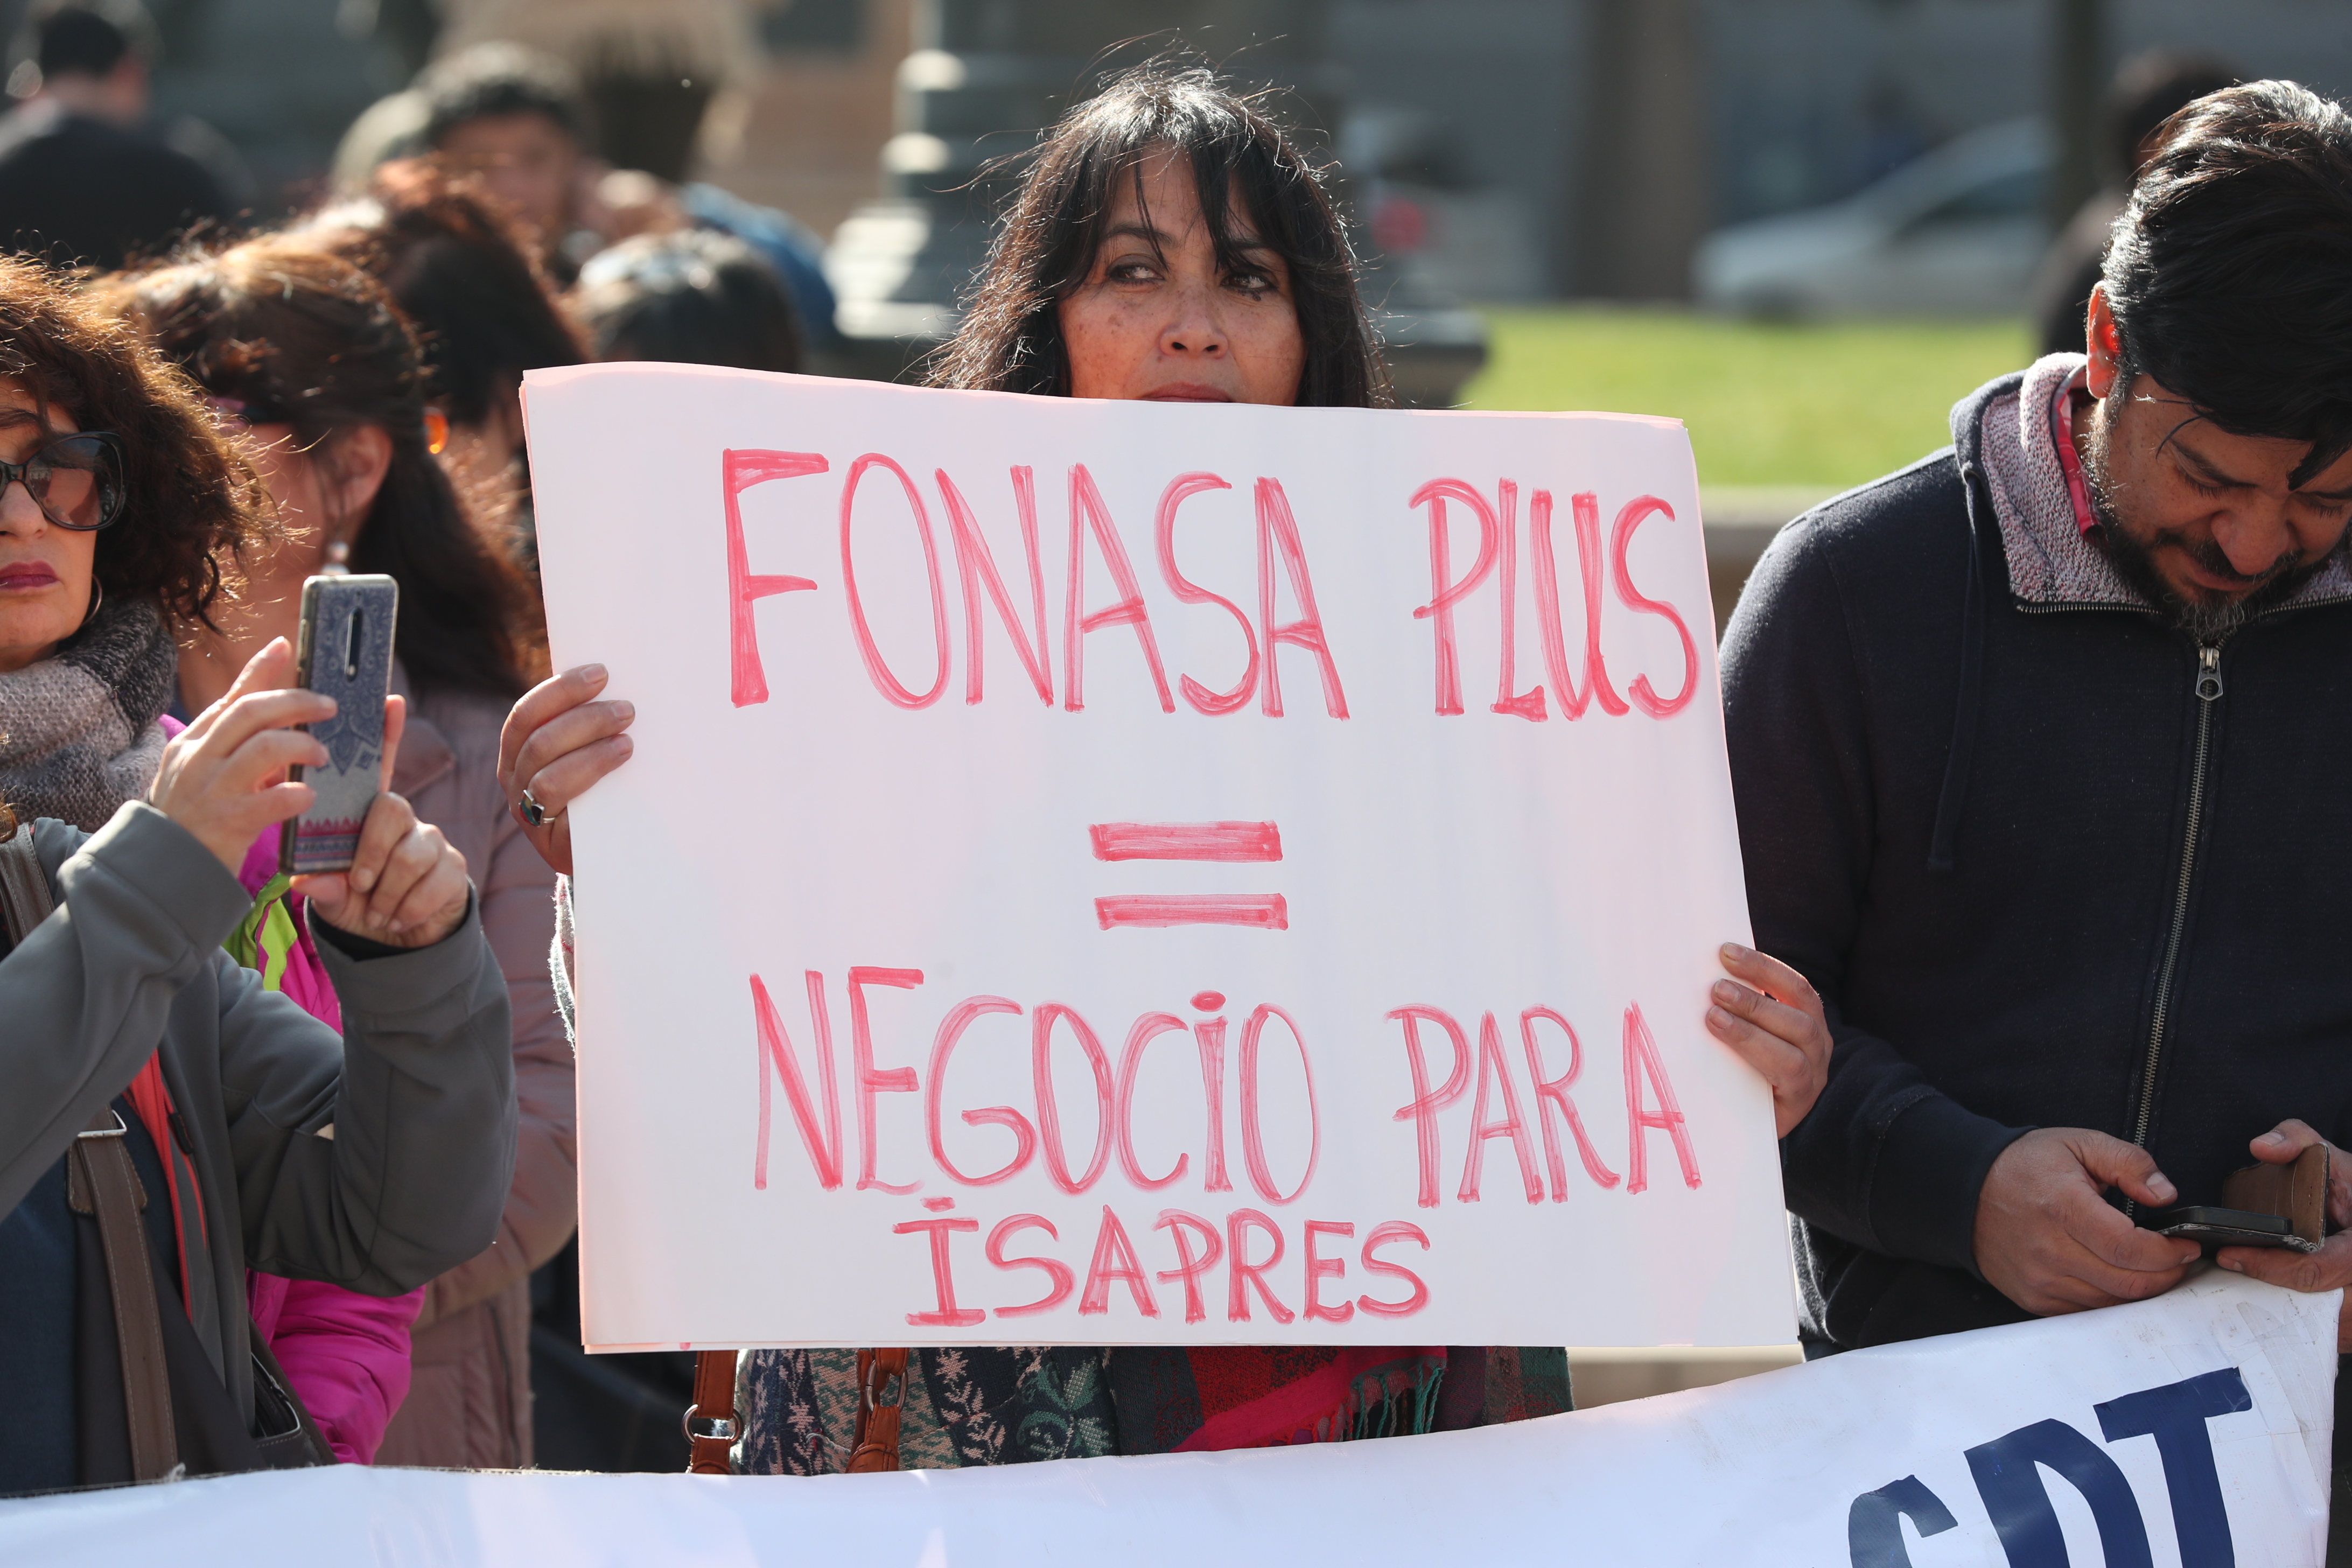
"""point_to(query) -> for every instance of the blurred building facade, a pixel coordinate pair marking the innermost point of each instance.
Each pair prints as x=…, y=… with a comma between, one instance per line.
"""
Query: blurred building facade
x=1516, y=145
x=1497, y=148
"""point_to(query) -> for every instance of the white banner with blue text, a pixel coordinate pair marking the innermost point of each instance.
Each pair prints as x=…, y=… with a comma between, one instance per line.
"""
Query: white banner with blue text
x=2191, y=1431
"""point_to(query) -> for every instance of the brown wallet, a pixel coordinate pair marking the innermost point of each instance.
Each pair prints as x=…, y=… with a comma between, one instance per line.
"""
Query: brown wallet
x=2298, y=1191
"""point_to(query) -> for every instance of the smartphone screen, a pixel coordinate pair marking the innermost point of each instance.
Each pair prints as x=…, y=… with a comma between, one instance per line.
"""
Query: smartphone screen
x=345, y=653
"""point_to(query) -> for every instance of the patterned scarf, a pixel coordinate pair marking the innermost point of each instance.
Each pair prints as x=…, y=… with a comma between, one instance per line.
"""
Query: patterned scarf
x=2052, y=560
x=77, y=729
x=1020, y=1404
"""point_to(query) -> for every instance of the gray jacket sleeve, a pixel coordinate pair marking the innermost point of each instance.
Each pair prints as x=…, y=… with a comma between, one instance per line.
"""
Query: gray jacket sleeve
x=142, y=908
x=418, y=1093
x=410, y=1175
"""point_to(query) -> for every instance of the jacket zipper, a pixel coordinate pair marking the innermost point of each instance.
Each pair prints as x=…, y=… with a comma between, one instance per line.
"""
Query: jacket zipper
x=2208, y=693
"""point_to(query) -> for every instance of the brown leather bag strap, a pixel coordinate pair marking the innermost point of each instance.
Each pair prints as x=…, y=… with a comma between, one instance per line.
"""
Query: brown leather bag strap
x=25, y=900
x=876, y=1446
x=101, y=1181
x=710, y=1419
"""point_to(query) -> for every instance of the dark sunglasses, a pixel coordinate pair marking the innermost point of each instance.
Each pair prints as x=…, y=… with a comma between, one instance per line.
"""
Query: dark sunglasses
x=76, y=480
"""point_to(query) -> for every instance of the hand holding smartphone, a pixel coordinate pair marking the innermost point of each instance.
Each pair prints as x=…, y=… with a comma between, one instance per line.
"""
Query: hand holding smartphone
x=2270, y=1205
x=344, y=652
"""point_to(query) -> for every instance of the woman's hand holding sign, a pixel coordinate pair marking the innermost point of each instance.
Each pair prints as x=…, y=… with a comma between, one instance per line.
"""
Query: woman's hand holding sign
x=557, y=742
x=1775, y=1022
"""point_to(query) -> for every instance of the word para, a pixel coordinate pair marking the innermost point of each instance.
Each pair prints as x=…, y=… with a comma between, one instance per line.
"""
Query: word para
x=1645, y=1076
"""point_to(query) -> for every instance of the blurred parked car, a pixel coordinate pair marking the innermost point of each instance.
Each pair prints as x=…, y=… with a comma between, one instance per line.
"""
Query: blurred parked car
x=1432, y=232
x=1955, y=233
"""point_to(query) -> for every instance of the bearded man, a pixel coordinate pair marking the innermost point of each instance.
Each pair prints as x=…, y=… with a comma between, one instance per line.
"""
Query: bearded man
x=2041, y=747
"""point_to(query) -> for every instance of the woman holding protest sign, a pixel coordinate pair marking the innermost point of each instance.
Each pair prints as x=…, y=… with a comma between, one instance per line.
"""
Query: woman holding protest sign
x=307, y=360
x=1169, y=244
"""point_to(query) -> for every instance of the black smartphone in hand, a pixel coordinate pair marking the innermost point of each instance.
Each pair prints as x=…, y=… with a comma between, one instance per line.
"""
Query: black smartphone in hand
x=2227, y=1227
x=344, y=652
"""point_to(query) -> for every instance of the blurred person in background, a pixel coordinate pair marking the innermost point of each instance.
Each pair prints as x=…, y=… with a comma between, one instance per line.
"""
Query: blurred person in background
x=125, y=514
x=484, y=311
x=1169, y=244
x=310, y=359
x=514, y=120
x=80, y=181
x=659, y=85
x=694, y=297
x=2148, y=89
x=630, y=201
x=521, y=121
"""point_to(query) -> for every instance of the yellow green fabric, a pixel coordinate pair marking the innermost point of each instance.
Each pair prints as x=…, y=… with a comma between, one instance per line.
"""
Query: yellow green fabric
x=266, y=938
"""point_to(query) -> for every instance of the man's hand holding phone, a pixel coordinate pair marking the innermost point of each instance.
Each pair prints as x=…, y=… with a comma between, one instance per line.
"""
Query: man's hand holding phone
x=2330, y=1267
x=224, y=780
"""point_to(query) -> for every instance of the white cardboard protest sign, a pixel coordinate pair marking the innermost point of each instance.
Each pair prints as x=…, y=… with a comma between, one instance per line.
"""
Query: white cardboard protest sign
x=2186, y=1432
x=1131, y=873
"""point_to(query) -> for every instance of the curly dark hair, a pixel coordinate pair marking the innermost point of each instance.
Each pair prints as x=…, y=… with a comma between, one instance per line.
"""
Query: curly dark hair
x=195, y=513
x=302, y=337
x=1011, y=339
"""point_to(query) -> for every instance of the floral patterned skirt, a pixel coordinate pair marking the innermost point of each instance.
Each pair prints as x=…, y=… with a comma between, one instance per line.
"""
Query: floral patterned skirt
x=1017, y=1403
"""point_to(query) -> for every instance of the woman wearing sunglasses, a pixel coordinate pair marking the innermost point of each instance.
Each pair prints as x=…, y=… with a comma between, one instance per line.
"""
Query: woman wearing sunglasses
x=164, y=1118
x=1168, y=244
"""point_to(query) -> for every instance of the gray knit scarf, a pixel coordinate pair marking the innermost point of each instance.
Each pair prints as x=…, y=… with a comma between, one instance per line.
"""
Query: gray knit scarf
x=2051, y=562
x=77, y=729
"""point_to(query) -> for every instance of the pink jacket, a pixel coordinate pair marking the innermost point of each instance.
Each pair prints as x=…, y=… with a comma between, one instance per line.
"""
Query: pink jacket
x=345, y=1353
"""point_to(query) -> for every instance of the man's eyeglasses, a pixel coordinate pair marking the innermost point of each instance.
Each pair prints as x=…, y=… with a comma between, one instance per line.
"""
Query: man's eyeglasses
x=76, y=480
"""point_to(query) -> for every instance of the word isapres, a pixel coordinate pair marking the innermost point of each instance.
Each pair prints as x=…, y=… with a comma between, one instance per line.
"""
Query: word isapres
x=1282, y=570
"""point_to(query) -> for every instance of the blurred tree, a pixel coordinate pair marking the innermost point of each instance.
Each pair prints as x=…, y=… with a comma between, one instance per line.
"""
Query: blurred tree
x=2076, y=85
x=1644, y=194
x=407, y=30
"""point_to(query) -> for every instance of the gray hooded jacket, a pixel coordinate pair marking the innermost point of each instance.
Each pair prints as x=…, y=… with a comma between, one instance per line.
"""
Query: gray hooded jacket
x=375, y=1162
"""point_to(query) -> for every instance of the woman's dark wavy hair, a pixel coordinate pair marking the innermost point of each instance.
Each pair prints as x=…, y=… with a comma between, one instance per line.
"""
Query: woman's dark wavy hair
x=2230, y=272
x=482, y=306
x=302, y=337
x=195, y=513
x=1011, y=339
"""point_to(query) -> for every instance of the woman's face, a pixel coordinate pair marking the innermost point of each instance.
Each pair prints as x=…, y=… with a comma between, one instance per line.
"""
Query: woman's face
x=322, y=492
x=291, y=477
x=44, y=570
x=1158, y=319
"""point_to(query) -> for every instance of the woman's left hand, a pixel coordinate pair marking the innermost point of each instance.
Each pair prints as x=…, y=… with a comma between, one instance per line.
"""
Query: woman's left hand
x=1775, y=1023
x=406, y=887
x=558, y=742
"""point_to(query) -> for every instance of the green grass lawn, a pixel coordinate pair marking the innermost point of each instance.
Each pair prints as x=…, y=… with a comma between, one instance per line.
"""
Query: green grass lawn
x=1766, y=403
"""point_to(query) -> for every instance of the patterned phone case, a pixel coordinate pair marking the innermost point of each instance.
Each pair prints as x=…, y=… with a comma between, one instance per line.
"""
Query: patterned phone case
x=345, y=654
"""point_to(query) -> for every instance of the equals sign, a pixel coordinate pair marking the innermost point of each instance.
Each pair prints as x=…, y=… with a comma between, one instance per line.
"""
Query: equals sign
x=1235, y=841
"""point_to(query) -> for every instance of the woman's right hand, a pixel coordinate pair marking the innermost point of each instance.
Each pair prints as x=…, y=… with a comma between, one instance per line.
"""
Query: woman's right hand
x=223, y=777
x=557, y=742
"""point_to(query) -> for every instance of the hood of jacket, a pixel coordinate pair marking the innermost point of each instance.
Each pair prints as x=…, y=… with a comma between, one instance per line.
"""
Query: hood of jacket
x=2009, y=431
